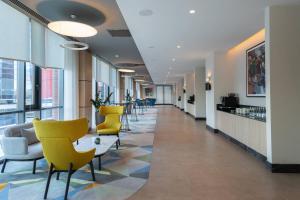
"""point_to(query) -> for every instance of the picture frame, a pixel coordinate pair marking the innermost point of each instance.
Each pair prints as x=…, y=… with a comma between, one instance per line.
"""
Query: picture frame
x=255, y=71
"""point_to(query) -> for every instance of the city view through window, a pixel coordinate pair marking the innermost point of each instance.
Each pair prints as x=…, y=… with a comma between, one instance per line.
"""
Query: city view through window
x=40, y=96
x=9, y=91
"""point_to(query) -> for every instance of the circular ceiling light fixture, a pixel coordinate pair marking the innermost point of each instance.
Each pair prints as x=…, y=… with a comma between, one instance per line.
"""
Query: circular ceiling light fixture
x=173, y=59
x=146, y=12
x=72, y=29
x=126, y=70
x=76, y=46
x=192, y=11
x=117, y=56
x=178, y=46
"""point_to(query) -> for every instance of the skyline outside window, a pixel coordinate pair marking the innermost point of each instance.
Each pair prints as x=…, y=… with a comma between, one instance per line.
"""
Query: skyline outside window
x=8, y=91
x=30, y=85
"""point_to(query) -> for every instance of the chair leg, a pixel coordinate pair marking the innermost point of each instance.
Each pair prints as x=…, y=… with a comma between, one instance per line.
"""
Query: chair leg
x=34, y=166
x=57, y=175
x=68, y=181
x=48, y=181
x=117, y=145
x=3, y=166
x=92, y=170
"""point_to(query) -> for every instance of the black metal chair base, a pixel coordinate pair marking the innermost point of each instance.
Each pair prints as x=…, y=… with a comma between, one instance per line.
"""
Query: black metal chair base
x=70, y=172
x=5, y=161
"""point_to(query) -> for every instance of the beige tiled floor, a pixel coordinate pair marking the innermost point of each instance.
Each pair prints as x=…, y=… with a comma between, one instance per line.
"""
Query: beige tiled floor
x=191, y=163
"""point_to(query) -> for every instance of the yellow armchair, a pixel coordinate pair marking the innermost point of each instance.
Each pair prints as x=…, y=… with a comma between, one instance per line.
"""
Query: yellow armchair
x=112, y=124
x=57, y=139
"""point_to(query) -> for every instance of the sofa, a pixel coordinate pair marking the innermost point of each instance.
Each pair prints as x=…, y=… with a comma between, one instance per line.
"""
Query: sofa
x=20, y=143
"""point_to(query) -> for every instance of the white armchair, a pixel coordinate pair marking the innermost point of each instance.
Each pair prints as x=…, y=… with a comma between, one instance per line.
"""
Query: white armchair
x=20, y=144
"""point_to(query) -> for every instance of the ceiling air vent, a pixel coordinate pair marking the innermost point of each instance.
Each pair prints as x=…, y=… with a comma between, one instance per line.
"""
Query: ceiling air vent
x=119, y=33
x=129, y=64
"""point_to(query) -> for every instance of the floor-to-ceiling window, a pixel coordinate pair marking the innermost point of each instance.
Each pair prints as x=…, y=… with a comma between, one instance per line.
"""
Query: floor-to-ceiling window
x=102, y=90
x=28, y=91
x=10, y=92
x=32, y=92
x=52, y=93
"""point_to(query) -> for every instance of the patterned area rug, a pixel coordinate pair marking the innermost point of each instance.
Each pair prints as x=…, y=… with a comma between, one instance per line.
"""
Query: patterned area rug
x=124, y=171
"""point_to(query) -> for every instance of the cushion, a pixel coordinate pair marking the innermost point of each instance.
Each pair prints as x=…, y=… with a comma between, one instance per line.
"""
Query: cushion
x=34, y=151
x=15, y=130
x=29, y=134
x=108, y=131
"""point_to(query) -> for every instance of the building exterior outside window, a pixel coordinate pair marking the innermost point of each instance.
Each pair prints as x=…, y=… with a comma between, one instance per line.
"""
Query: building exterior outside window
x=41, y=96
x=8, y=91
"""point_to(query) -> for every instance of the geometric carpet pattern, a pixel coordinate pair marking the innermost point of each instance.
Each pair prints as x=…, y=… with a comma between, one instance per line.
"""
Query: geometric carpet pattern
x=124, y=171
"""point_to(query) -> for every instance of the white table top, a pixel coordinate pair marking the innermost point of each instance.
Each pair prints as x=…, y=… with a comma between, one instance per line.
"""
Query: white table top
x=87, y=143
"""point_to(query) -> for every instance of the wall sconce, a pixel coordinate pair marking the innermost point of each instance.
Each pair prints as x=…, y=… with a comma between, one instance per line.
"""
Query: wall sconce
x=208, y=82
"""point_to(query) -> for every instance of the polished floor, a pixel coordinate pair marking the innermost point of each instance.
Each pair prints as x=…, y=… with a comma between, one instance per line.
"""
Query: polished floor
x=190, y=162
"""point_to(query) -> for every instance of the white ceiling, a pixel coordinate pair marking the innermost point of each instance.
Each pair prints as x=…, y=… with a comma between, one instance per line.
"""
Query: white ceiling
x=216, y=25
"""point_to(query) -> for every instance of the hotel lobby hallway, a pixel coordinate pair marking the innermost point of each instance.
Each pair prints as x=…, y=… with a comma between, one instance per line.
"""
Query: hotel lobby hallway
x=189, y=162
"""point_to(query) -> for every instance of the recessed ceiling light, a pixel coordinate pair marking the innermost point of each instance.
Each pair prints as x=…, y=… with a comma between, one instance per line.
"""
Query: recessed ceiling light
x=192, y=11
x=72, y=29
x=178, y=46
x=126, y=70
x=146, y=12
x=173, y=59
x=117, y=56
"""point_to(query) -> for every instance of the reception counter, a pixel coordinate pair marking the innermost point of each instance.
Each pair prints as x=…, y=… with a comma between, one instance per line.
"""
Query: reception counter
x=249, y=133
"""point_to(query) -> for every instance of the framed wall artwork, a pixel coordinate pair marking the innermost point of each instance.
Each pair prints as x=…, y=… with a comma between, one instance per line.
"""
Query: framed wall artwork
x=256, y=78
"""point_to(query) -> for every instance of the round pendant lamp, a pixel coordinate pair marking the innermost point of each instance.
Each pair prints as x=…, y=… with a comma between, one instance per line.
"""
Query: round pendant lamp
x=72, y=29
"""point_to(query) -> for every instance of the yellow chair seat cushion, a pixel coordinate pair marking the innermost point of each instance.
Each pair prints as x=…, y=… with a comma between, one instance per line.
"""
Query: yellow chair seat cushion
x=108, y=131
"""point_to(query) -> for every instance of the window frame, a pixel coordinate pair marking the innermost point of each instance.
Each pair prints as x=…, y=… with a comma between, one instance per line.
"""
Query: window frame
x=22, y=108
x=37, y=91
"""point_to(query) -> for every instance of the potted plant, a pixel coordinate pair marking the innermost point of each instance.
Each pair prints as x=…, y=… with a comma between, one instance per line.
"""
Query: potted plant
x=97, y=103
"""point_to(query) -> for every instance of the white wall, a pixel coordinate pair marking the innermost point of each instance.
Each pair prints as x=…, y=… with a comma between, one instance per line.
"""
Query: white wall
x=228, y=74
x=283, y=84
x=200, y=94
x=236, y=60
x=210, y=95
x=190, y=90
x=179, y=92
